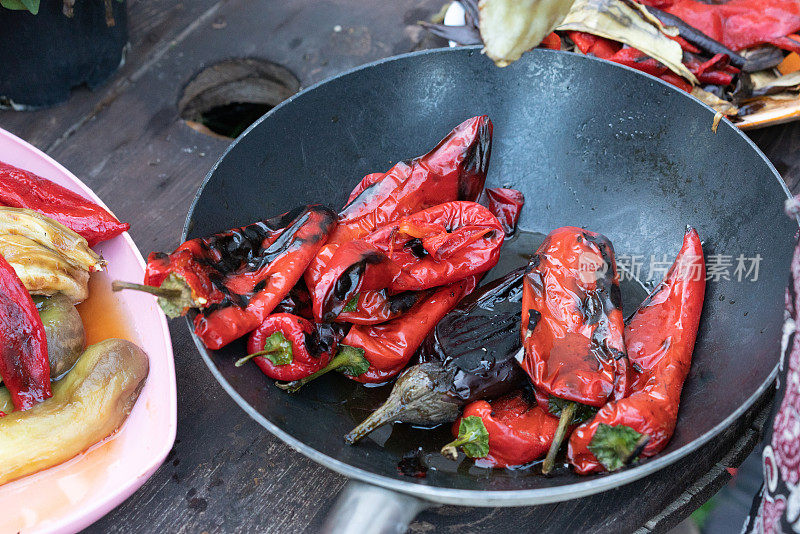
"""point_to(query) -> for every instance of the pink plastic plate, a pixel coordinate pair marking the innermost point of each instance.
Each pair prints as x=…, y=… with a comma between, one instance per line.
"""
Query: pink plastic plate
x=73, y=495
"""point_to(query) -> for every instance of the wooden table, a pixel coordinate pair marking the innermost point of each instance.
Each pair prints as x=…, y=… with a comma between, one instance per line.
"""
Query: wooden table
x=127, y=141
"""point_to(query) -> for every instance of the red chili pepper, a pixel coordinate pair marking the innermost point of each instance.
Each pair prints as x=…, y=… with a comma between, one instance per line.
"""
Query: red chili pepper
x=711, y=71
x=430, y=248
x=716, y=78
x=296, y=302
x=376, y=353
x=551, y=41
x=738, y=24
x=660, y=339
x=677, y=81
x=686, y=46
x=375, y=307
x=454, y=170
x=572, y=325
x=593, y=44
x=236, y=278
x=507, y=432
x=631, y=57
x=288, y=347
x=388, y=347
x=24, y=365
x=505, y=204
x=22, y=189
x=790, y=43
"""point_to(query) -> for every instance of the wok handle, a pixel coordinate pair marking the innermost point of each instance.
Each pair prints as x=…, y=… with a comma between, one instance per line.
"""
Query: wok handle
x=366, y=509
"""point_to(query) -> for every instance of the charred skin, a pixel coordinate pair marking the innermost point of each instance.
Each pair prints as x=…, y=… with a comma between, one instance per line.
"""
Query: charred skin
x=454, y=170
x=231, y=277
x=660, y=337
x=469, y=356
x=572, y=326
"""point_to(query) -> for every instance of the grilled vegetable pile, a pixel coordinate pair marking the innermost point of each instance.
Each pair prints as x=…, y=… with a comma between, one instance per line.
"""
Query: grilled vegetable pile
x=56, y=399
x=741, y=57
x=389, y=289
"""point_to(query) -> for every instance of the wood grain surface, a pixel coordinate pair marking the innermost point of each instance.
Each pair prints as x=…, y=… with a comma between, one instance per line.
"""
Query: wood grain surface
x=127, y=141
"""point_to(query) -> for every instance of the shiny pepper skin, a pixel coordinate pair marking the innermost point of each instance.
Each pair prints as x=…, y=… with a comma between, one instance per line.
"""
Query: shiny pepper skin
x=660, y=339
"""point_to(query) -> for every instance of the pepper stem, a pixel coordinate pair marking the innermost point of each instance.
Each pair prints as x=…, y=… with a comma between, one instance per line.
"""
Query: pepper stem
x=277, y=349
x=567, y=414
x=472, y=437
x=349, y=360
x=617, y=446
x=119, y=285
x=451, y=449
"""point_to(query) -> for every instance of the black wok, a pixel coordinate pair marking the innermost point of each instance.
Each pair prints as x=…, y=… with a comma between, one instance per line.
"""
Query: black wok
x=589, y=143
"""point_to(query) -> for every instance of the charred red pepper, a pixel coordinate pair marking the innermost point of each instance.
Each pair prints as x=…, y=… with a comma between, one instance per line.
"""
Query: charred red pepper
x=22, y=189
x=376, y=353
x=236, y=278
x=660, y=339
x=430, y=248
x=378, y=306
x=506, y=204
x=551, y=41
x=737, y=24
x=454, y=170
x=507, y=432
x=24, y=365
x=288, y=347
x=593, y=44
x=297, y=302
x=388, y=347
x=572, y=325
x=470, y=355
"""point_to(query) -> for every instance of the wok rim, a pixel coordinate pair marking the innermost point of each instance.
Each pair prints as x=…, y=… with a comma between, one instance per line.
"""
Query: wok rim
x=482, y=497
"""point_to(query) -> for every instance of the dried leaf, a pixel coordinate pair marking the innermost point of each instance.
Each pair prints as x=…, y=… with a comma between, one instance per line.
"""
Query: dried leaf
x=616, y=20
x=719, y=105
x=511, y=27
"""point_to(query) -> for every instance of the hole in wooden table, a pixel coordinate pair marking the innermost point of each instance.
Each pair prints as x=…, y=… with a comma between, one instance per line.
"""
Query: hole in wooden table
x=227, y=97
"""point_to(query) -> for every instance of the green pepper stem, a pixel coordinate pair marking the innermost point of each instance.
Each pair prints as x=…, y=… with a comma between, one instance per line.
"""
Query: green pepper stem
x=346, y=357
x=276, y=343
x=119, y=285
x=243, y=360
x=451, y=449
x=567, y=414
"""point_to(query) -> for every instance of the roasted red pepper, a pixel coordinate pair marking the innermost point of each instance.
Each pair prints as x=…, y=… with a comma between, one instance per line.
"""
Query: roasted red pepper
x=454, y=170
x=508, y=432
x=631, y=57
x=505, y=204
x=430, y=248
x=24, y=365
x=288, y=347
x=551, y=41
x=738, y=24
x=660, y=339
x=236, y=278
x=388, y=347
x=593, y=44
x=297, y=302
x=572, y=325
x=23, y=189
x=376, y=353
x=377, y=306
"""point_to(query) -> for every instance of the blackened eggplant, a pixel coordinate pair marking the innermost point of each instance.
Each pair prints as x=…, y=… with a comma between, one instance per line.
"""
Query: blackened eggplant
x=469, y=356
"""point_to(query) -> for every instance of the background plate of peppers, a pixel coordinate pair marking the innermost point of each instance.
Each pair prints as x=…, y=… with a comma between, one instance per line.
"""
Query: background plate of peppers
x=73, y=495
x=588, y=144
